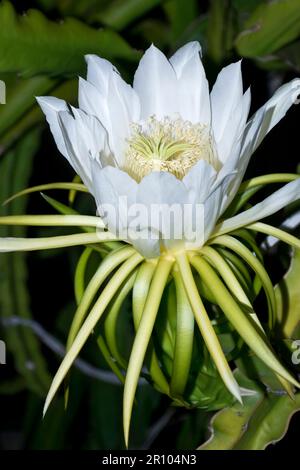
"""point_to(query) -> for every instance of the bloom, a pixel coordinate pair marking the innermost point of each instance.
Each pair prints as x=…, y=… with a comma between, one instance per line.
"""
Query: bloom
x=166, y=141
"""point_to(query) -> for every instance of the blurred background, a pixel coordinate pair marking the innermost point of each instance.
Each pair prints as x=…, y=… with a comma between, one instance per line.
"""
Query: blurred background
x=42, y=44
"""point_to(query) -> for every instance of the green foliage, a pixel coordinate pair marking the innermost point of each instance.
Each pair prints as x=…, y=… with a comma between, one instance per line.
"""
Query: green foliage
x=271, y=26
x=14, y=299
x=120, y=13
x=31, y=44
x=262, y=420
x=288, y=300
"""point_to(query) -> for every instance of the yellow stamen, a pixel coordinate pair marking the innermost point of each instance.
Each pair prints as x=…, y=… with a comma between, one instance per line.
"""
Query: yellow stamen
x=168, y=145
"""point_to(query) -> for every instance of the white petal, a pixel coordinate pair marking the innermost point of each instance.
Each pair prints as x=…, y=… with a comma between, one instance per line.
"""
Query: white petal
x=206, y=189
x=268, y=116
x=182, y=57
x=93, y=102
x=112, y=100
x=213, y=204
x=192, y=90
x=51, y=106
x=114, y=192
x=230, y=109
x=279, y=199
x=258, y=126
x=232, y=136
x=199, y=181
x=98, y=72
x=226, y=94
x=155, y=84
x=84, y=139
x=163, y=197
x=124, y=108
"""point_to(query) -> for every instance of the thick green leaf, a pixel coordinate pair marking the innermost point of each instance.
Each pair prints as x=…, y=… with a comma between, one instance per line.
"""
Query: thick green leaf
x=180, y=14
x=31, y=44
x=121, y=13
x=261, y=420
x=288, y=299
x=21, y=112
x=220, y=31
x=14, y=300
x=271, y=26
x=20, y=98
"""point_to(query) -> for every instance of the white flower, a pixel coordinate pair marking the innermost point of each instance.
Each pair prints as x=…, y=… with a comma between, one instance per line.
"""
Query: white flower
x=167, y=140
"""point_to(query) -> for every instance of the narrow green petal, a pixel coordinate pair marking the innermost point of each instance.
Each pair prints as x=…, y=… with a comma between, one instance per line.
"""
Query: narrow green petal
x=79, y=278
x=255, y=264
x=106, y=354
x=142, y=338
x=31, y=244
x=184, y=340
x=139, y=297
x=205, y=326
x=252, y=186
x=45, y=187
x=271, y=204
x=106, y=267
x=276, y=232
x=241, y=322
x=110, y=322
x=234, y=286
x=53, y=220
x=226, y=273
x=94, y=316
x=267, y=179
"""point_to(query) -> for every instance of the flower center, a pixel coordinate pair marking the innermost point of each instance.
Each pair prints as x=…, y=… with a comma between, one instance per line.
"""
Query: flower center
x=168, y=145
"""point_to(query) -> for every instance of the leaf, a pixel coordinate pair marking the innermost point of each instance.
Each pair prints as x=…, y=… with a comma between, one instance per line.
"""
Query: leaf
x=271, y=26
x=120, y=13
x=31, y=44
x=21, y=112
x=263, y=419
x=287, y=294
x=220, y=29
x=290, y=56
x=180, y=14
x=20, y=98
x=14, y=300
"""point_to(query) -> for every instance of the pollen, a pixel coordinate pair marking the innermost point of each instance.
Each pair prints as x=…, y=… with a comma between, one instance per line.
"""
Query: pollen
x=172, y=145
